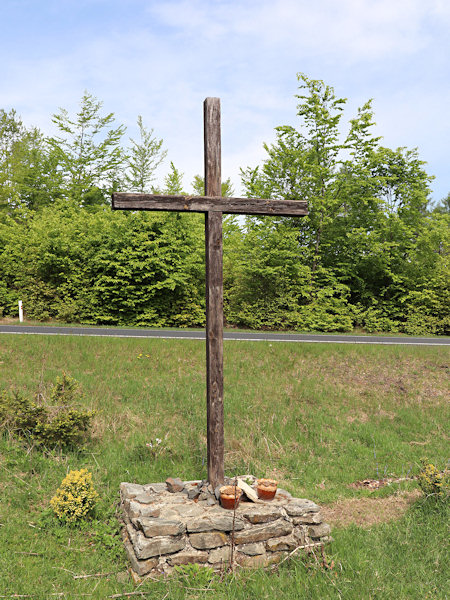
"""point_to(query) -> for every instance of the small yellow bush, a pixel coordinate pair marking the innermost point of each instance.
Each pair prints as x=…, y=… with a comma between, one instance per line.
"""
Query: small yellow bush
x=76, y=498
x=432, y=481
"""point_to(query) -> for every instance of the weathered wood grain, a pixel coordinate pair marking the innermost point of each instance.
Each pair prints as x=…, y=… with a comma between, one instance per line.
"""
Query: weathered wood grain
x=214, y=297
x=213, y=206
x=214, y=348
x=212, y=147
x=207, y=203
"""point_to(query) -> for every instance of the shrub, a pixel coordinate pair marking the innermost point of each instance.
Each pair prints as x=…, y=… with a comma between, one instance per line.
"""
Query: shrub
x=433, y=482
x=76, y=498
x=55, y=423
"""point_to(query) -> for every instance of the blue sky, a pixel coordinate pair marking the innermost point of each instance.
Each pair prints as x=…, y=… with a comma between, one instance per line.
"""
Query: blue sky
x=160, y=59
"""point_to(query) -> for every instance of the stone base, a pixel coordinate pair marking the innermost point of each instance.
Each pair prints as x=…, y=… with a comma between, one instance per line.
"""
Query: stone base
x=165, y=528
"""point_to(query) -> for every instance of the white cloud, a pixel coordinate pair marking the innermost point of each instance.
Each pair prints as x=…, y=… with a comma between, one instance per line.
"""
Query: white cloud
x=166, y=57
x=360, y=29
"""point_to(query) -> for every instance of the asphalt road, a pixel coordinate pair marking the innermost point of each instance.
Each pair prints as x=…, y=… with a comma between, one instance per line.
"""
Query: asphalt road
x=229, y=335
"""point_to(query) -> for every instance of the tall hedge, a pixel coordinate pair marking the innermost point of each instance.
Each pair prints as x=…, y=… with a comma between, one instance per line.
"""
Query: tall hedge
x=104, y=267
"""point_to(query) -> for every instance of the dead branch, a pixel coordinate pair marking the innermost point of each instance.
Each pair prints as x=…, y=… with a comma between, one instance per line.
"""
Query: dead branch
x=93, y=575
x=127, y=594
x=313, y=545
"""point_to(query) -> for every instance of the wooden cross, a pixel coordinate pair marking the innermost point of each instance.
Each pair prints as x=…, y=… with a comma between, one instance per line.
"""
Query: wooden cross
x=213, y=206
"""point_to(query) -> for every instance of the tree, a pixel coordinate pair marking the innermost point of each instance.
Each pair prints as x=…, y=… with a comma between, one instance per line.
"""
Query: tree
x=143, y=159
x=443, y=206
x=312, y=164
x=89, y=153
x=11, y=132
x=198, y=185
x=367, y=208
x=173, y=181
x=29, y=177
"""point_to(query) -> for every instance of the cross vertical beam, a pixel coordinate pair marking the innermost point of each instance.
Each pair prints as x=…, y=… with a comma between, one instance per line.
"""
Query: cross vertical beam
x=213, y=205
x=214, y=295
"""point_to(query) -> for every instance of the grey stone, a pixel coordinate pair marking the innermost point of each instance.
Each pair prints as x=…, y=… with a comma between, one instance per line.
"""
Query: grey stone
x=220, y=555
x=159, y=527
x=300, y=506
x=260, y=560
x=225, y=522
x=214, y=521
x=132, y=533
x=125, y=506
x=274, y=557
x=130, y=490
x=260, y=533
x=318, y=531
x=165, y=529
x=185, y=511
x=282, y=496
x=300, y=534
x=188, y=556
x=251, y=549
x=172, y=499
x=155, y=488
x=140, y=567
x=147, y=548
x=217, y=492
x=136, y=509
x=174, y=484
x=261, y=513
x=311, y=518
x=208, y=539
x=146, y=498
x=286, y=542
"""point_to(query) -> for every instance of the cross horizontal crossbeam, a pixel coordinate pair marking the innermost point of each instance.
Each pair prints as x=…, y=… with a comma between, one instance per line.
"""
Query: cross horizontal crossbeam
x=213, y=206
x=204, y=204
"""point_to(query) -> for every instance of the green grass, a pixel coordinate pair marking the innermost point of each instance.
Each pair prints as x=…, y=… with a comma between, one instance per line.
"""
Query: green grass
x=318, y=417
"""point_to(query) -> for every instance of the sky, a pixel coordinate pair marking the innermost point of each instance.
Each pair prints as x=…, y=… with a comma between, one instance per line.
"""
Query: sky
x=161, y=59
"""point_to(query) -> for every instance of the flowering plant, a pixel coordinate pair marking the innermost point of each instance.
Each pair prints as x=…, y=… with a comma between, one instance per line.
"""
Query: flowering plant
x=432, y=481
x=76, y=498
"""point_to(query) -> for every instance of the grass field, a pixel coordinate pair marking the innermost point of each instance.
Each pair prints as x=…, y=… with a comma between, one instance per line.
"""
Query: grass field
x=319, y=418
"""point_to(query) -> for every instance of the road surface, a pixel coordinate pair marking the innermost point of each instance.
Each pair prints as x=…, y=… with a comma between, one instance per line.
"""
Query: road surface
x=228, y=335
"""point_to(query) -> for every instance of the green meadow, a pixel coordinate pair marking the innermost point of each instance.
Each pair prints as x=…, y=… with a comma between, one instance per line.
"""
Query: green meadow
x=320, y=418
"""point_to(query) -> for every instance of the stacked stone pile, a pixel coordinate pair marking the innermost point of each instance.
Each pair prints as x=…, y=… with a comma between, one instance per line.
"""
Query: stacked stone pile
x=175, y=523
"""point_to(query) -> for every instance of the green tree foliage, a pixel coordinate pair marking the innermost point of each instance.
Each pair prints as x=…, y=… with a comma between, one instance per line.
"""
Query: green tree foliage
x=143, y=159
x=100, y=266
x=271, y=287
x=84, y=164
x=444, y=205
x=372, y=252
x=198, y=185
x=28, y=168
x=173, y=181
x=359, y=245
x=89, y=153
